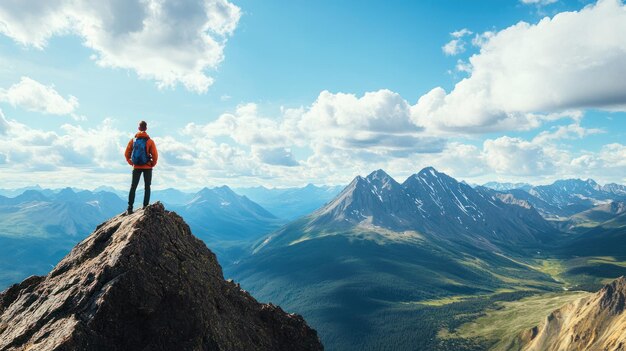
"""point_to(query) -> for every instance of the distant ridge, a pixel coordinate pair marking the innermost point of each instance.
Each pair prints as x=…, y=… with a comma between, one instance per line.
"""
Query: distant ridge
x=430, y=202
x=507, y=186
x=568, y=197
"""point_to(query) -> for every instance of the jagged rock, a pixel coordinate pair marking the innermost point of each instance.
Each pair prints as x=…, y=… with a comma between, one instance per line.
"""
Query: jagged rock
x=596, y=322
x=143, y=282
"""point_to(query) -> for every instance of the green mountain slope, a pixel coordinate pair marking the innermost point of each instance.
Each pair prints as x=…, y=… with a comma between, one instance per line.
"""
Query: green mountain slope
x=385, y=258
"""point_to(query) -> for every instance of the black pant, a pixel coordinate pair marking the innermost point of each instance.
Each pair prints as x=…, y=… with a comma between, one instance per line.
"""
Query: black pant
x=147, y=180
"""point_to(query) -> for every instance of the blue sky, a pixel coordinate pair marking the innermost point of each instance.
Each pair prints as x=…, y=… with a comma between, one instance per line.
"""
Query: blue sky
x=285, y=93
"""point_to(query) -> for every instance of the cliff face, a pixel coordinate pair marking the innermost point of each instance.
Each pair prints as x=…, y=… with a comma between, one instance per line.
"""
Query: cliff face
x=597, y=322
x=143, y=282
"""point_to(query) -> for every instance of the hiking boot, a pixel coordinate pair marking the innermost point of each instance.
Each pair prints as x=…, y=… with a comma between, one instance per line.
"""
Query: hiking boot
x=129, y=211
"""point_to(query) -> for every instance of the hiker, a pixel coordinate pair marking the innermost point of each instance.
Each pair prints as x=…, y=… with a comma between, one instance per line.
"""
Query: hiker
x=141, y=153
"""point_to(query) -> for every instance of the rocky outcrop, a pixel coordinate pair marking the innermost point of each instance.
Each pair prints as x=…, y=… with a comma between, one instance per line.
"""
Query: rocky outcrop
x=143, y=282
x=596, y=322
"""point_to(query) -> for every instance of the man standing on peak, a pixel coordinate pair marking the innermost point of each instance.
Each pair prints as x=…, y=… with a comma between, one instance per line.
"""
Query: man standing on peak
x=141, y=153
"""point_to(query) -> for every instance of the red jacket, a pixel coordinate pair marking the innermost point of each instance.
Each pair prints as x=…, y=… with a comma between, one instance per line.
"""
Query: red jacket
x=151, y=149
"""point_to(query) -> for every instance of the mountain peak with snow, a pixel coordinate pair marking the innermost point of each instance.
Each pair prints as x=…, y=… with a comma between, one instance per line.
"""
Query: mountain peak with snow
x=429, y=201
x=380, y=180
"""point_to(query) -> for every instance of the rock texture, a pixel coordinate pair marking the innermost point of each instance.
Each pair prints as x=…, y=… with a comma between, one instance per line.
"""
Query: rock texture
x=143, y=282
x=597, y=322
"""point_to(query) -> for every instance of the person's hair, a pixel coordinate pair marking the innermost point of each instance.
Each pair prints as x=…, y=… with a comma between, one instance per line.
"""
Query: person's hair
x=143, y=126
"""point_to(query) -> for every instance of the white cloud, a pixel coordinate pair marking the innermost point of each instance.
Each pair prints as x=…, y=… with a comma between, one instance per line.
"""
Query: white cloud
x=456, y=45
x=542, y=158
x=515, y=156
x=31, y=95
x=169, y=41
x=571, y=131
x=569, y=61
x=102, y=146
x=337, y=136
x=613, y=155
x=453, y=47
x=481, y=39
x=606, y=165
x=463, y=66
x=29, y=149
x=245, y=127
x=197, y=159
x=377, y=123
x=278, y=156
x=174, y=153
x=456, y=159
x=376, y=126
x=32, y=22
x=461, y=33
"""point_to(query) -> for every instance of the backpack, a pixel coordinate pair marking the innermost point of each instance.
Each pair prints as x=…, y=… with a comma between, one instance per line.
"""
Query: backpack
x=140, y=152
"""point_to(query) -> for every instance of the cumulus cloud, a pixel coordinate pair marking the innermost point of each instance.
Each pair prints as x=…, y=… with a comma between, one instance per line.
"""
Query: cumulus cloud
x=278, y=156
x=101, y=146
x=171, y=42
x=245, y=126
x=516, y=156
x=610, y=159
x=375, y=126
x=462, y=66
x=613, y=155
x=196, y=159
x=571, y=131
x=544, y=155
x=378, y=121
x=547, y=155
x=456, y=45
x=456, y=159
x=175, y=153
x=31, y=149
x=481, y=39
x=453, y=47
x=31, y=95
x=523, y=72
x=461, y=33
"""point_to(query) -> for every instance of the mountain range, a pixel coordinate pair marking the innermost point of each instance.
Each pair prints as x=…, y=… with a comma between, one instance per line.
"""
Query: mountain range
x=507, y=186
x=37, y=228
x=411, y=253
x=381, y=246
x=284, y=203
x=227, y=222
x=377, y=264
x=568, y=197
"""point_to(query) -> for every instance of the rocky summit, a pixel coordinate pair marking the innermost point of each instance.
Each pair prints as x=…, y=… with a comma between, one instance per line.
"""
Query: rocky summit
x=143, y=282
x=596, y=322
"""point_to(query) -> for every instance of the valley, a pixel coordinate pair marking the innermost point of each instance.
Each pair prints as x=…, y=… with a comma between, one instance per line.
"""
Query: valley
x=430, y=252
x=498, y=326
